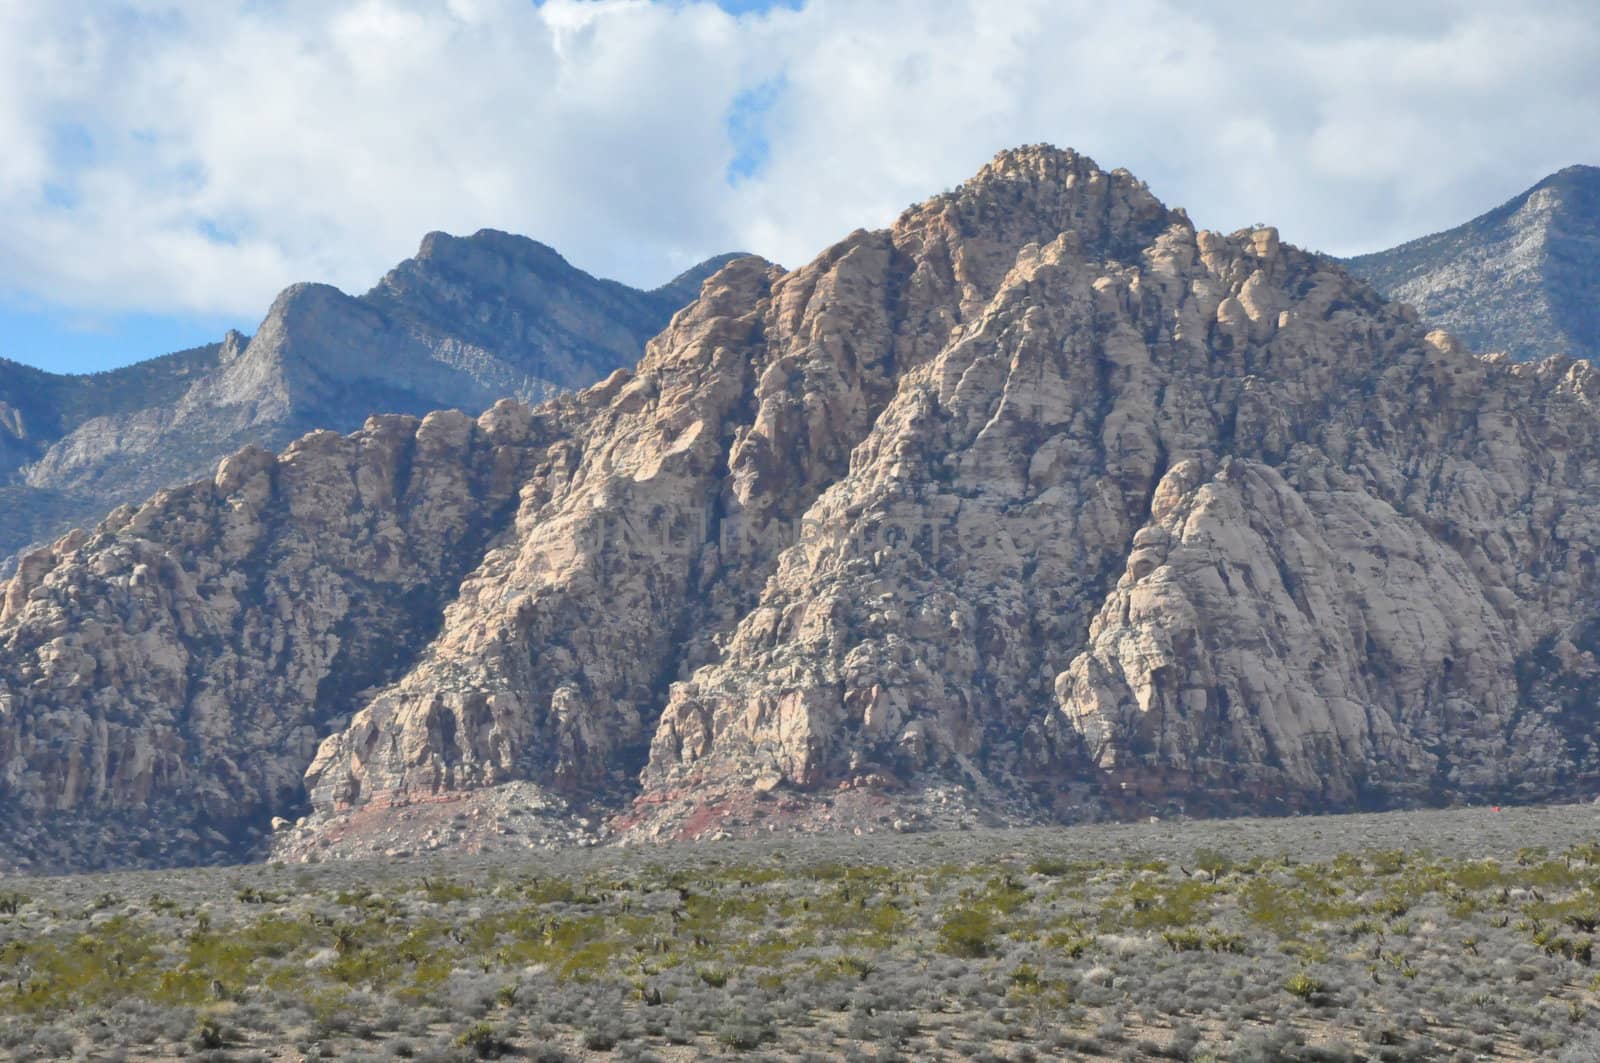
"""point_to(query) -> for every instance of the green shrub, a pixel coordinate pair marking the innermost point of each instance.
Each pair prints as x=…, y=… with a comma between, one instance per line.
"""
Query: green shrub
x=857, y=968
x=1212, y=862
x=741, y=1034
x=1026, y=978
x=1391, y=906
x=1219, y=941
x=968, y=933
x=209, y=1034
x=444, y=891
x=483, y=1041
x=1070, y=943
x=1302, y=985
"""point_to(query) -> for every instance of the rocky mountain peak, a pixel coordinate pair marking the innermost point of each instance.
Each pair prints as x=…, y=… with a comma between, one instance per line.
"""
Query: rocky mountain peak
x=233, y=345
x=1039, y=505
x=1032, y=194
x=1578, y=176
x=487, y=252
x=1566, y=199
x=683, y=288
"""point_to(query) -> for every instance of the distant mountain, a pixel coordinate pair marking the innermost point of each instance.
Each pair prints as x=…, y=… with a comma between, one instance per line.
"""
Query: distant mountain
x=1523, y=278
x=39, y=409
x=467, y=321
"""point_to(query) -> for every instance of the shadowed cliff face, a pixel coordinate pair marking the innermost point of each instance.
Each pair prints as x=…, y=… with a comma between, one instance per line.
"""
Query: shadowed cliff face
x=468, y=321
x=1519, y=279
x=1038, y=505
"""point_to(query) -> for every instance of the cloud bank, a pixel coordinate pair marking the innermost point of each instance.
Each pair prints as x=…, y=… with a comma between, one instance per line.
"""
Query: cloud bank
x=195, y=157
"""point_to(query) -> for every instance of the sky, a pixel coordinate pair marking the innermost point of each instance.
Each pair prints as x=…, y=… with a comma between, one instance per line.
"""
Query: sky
x=169, y=165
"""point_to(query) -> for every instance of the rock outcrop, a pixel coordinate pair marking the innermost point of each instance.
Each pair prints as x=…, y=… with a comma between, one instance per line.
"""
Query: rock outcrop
x=171, y=672
x=1519, y=279
x=468, y=321
x=1041, y=504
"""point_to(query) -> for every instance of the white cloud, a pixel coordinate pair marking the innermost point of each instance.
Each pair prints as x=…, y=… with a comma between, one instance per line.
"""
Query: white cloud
x=196, y=156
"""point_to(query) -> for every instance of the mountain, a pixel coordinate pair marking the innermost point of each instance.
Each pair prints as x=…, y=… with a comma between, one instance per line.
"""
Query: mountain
x=467, y=321
x=1041, y=505
x=1519, y=279
x=38, y=409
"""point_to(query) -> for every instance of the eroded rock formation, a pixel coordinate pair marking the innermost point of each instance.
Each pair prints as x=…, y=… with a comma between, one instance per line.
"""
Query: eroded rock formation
x=168, y=676
x=1040, y=504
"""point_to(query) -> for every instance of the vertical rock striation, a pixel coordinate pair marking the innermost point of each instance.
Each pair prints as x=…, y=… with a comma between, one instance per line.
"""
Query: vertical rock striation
x=1041, y=504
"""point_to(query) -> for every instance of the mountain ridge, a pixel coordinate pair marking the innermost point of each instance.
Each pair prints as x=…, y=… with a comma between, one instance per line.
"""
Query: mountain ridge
x=1041, y=505
x=1518, y=278
x=467, y=321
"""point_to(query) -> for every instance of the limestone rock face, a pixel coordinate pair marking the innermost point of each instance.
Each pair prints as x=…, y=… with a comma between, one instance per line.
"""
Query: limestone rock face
x=1255, y=539
x=1041, y=504
x=466, y=322
x=1519, y=279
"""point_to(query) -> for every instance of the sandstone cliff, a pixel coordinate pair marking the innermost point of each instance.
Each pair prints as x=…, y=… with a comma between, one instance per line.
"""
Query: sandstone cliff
x=172, y=671
x=1039, y=505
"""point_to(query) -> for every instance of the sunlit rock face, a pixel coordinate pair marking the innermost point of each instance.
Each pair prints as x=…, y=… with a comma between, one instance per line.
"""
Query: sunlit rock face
x=1039, y=505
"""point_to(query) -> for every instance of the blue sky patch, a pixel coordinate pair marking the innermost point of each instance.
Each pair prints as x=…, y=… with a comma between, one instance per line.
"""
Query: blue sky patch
x=747, y=128
x=71, y=144
x=216, y=232
x=60, y=195
x=69, y=341
x=758, y=7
